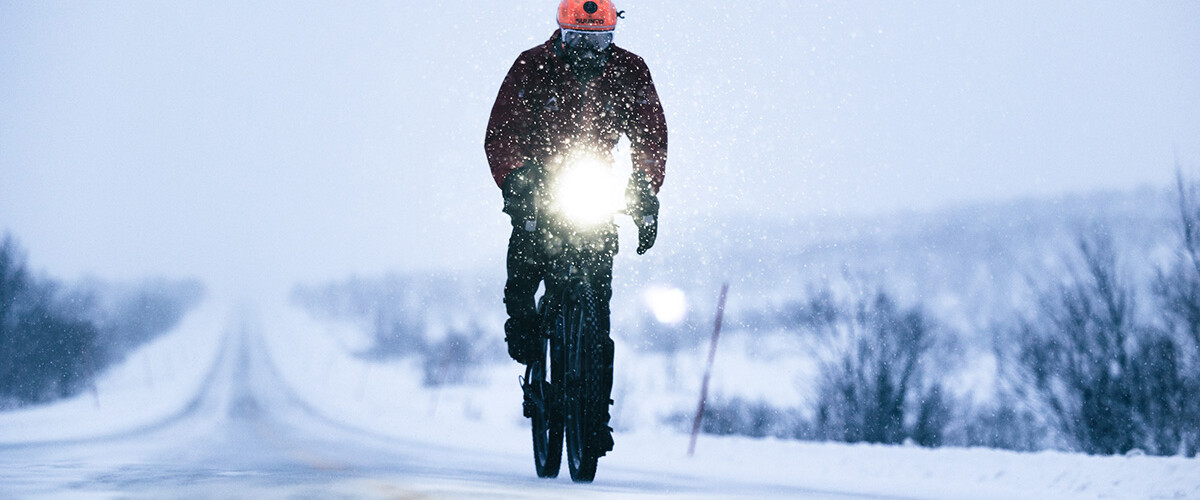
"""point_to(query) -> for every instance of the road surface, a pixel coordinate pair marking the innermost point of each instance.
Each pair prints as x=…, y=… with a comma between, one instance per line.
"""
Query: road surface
x=246, y=435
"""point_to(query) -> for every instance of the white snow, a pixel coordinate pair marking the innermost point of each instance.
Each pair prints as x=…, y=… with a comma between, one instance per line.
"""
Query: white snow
x=387, y=399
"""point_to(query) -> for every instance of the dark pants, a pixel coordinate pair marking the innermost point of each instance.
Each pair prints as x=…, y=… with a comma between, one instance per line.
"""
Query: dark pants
x=529, y=263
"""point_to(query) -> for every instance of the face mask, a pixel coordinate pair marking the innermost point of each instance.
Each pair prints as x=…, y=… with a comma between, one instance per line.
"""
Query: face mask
x=596, y=41
x=587, y=51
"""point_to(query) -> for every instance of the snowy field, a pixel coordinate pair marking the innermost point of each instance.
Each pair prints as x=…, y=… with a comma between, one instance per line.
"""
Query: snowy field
x=388, y=399
x=308, y=387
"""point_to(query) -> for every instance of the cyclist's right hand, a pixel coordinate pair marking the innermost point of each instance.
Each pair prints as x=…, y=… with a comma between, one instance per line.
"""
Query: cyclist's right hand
x=518, y=196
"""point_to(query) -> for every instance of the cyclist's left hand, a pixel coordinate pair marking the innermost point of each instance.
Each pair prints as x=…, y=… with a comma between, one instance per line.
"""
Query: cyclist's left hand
x=647, y=232
x=643, y=204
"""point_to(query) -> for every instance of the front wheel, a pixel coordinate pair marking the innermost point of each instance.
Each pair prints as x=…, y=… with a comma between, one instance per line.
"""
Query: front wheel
x=585, y=406
x=546, y=419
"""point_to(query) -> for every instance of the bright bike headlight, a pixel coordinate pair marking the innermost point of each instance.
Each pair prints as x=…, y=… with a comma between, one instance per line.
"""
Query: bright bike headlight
x=589, y=192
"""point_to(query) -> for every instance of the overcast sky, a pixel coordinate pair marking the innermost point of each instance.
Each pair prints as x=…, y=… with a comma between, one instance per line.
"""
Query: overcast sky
x=295, y=141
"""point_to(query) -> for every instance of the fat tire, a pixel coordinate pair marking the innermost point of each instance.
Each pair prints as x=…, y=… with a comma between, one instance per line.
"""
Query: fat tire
x=583, y=402
x=547, y=421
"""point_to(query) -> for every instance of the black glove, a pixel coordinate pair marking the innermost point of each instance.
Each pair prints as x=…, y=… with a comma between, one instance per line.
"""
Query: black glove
x=643, y=207
x=647, y=232
x=518, y=196
x=520, y=333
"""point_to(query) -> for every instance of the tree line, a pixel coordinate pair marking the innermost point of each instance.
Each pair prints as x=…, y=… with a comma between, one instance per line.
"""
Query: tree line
x=55, y=339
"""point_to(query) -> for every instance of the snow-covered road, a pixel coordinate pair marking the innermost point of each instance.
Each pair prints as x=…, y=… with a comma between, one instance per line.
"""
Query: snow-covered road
x=247, y=435
x=233, y=406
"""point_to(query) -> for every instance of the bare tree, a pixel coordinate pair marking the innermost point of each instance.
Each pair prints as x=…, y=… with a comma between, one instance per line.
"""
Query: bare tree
x=1111, y=382
x=877, y=383
x=1177, y=290
x=1077, y=351
x=1178, y=286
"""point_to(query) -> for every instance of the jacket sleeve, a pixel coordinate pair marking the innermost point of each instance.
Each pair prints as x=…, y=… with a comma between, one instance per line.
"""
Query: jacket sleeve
x=506, y=142
x=647, y=128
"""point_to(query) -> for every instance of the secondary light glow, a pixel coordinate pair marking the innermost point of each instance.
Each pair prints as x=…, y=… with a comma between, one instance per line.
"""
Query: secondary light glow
x=668, y=304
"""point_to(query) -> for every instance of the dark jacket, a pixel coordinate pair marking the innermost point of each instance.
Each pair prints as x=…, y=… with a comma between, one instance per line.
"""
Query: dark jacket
x=544, y=113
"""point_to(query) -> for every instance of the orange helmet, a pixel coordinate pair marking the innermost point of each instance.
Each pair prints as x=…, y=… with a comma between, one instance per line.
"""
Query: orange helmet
x=590, y=15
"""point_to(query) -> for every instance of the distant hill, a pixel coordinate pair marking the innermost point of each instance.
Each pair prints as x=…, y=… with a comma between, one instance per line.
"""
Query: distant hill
x=970, y=264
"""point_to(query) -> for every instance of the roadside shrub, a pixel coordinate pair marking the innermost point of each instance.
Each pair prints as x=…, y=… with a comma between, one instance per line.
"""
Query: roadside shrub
x=1109, y=381
x=452, y=360
x=741, y=417
x=1177, y=292
x=1003, y=424
x=434, y=319
x=876, y=388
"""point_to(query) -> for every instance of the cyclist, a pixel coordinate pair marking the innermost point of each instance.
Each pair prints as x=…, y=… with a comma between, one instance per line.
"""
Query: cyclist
x=574, y=94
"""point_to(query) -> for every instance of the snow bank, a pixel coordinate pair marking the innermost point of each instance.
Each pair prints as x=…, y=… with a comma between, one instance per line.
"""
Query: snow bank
x=388, y=399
